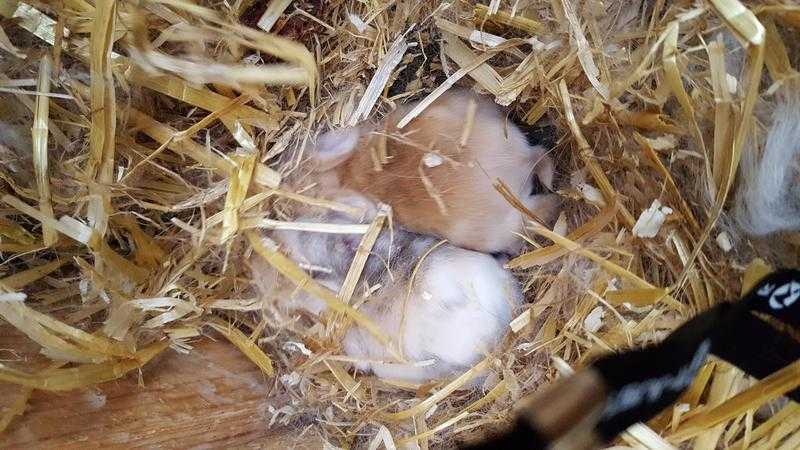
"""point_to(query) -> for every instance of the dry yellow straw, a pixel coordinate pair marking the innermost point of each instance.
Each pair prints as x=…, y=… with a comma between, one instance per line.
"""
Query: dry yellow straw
x=440, y=395
x=83, y=375
x=104, y=115
x=768, y=389
x=39, y=135
x=244, y=344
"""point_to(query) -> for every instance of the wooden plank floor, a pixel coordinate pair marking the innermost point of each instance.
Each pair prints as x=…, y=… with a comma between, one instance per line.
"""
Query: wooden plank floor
x=213, y=398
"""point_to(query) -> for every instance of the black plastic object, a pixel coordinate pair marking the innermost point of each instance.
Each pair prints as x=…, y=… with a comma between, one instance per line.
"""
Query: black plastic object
x=778, y=295
x=642, y=383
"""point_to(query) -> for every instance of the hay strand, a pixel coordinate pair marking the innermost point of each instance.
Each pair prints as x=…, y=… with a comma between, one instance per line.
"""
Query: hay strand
x=40, y=128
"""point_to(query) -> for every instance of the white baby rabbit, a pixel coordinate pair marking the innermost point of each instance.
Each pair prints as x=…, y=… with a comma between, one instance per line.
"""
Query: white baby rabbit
x=434, y=184
x=455, y=311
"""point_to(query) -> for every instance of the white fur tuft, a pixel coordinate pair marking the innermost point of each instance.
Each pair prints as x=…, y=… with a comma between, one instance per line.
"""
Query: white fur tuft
x=769, y=194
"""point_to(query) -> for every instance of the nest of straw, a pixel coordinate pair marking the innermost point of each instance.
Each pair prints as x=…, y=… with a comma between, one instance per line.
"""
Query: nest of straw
x=164, y=133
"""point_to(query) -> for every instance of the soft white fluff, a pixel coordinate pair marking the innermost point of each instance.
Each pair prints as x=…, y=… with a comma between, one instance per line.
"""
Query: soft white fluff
x=769, y=196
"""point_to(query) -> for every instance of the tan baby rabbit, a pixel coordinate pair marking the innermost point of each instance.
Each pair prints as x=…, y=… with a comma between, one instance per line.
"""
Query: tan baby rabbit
x=434, y=184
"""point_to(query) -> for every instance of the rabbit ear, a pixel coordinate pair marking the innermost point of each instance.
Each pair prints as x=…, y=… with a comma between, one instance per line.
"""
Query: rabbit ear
x=334, y=147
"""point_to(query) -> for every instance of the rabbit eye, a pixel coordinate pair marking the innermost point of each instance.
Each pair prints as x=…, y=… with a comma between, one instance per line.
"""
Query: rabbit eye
x=537, y=187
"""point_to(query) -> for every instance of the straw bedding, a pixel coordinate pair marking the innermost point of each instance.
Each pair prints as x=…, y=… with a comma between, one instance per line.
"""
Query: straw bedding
x=168, y=136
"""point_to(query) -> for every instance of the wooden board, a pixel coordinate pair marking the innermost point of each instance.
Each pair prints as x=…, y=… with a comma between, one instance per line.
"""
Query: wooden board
x=212, y=398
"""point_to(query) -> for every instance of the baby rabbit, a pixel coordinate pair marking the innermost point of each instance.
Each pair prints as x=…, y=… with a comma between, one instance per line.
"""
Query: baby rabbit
x=456, y=309
x=434, y=184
